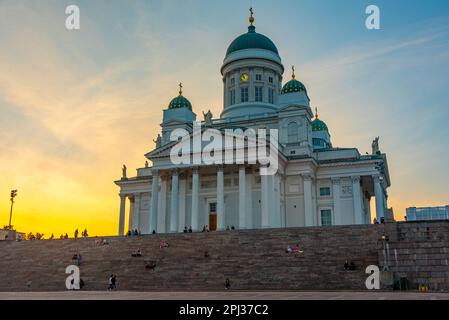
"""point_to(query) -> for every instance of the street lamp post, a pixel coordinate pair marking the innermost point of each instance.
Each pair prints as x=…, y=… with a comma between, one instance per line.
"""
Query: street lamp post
x=13, y=195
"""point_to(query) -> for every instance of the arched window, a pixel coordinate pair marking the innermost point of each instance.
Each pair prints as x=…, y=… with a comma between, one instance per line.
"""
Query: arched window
x=292, y=132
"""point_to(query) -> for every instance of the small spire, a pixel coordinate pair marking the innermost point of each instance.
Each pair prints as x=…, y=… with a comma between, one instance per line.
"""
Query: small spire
x=316, y=113
x=251, y=17
x=180, y=88
x=293, y=72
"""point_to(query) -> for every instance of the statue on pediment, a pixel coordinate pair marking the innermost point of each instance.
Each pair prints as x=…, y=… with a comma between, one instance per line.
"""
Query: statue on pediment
x=124, y=172
x=375, y=146
x=208, y=118
x=158, y=141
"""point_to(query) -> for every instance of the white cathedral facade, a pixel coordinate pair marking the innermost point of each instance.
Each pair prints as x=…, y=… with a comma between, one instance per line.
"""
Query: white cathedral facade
x=316, y=184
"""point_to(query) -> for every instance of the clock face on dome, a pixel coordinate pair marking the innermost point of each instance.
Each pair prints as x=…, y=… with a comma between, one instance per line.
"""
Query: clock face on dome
x=244, y=77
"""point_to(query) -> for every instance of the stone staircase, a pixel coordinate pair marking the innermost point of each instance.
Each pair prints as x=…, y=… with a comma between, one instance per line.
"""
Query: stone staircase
x=251, y=259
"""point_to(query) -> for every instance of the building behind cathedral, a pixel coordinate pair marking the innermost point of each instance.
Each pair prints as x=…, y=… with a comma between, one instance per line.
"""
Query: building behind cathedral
x=316, y=184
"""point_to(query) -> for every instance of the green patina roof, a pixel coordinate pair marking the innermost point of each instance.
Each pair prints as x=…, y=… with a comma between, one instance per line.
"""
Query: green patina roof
x=180, y=102
x=293, y=86
x=318, y=125
x=252, y=40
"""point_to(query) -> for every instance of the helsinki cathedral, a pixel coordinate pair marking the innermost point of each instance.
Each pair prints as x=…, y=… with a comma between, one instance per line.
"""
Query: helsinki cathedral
x=315, y=184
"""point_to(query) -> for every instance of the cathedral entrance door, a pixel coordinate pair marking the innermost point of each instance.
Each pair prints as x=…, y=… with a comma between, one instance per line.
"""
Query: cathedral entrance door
x=212, y=216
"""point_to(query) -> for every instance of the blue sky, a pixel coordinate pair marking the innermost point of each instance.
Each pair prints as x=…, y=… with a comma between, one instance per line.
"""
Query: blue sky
x=76, y=105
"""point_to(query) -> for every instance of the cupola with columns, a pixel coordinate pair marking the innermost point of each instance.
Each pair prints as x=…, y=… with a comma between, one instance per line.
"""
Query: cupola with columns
x=252, y=75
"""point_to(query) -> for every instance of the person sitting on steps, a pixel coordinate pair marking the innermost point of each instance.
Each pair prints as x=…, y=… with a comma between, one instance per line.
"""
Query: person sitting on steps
x=150, y=265
x=190, y=229
x=185, y=229
x=346, y=265
x=163, y=244
x=352, y=266
x=137, y=254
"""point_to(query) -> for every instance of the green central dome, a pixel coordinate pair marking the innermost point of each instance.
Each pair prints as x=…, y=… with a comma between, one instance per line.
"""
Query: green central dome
x=318, y=125
x=180, y=102
x=252, y=40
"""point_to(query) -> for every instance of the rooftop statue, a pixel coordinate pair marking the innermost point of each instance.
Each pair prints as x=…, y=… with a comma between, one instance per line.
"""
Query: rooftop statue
x=124, y=172
x=208, y=118
x=375, y=146
x=158, y=141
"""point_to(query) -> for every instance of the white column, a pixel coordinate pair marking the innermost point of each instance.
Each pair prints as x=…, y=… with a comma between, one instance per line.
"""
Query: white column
x=242, y=197
x=357, y=198
x=174, y=201
x=308, y=211
x=162, y=210
x=131, y=214
x=121, y=222
x=136, y=212
x=277, y=200
x=336, y=190
x=195, y=198
x=265, y=201
x=154, y=201
x=249, y=201
x=182, y=205
x=378, y=193
x=220, y=199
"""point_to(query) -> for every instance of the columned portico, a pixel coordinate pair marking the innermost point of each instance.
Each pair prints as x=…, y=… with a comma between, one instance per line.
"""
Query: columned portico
x=379, y=195
x=336, y=190
x=308, y=211
x=220, y=199
x=195, y=198
x=242, y=197
x=121, y=225
x=154, y=200
x=174, y=201
x=357, y=201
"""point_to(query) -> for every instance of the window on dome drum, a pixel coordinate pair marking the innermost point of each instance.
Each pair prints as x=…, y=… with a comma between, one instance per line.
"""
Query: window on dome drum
x=270, y=79
x=259, y=92
x=232, y=96
x=326, y=217
x=271, y=96
x=325, y=191
x=292, y=132
x=258, y=77
x=244, y=94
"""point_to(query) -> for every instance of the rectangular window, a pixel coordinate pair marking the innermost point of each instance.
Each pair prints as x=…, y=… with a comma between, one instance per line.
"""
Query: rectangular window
x=232, y=96
x=232, y=81
x=244, y=94
x=326, y=217
x=270, y=79
x=213, y=207
x=259, y=92
x=258, y=77
x=271, y=96
x=325, y=191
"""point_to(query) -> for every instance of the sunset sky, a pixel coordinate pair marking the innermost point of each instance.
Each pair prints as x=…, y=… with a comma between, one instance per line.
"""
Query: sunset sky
x=76, y=105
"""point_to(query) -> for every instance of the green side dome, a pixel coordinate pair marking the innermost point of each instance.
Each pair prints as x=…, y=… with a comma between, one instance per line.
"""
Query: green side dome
x=180, y=102
x=293, y=86
x=252, y=40
x=318, y=125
